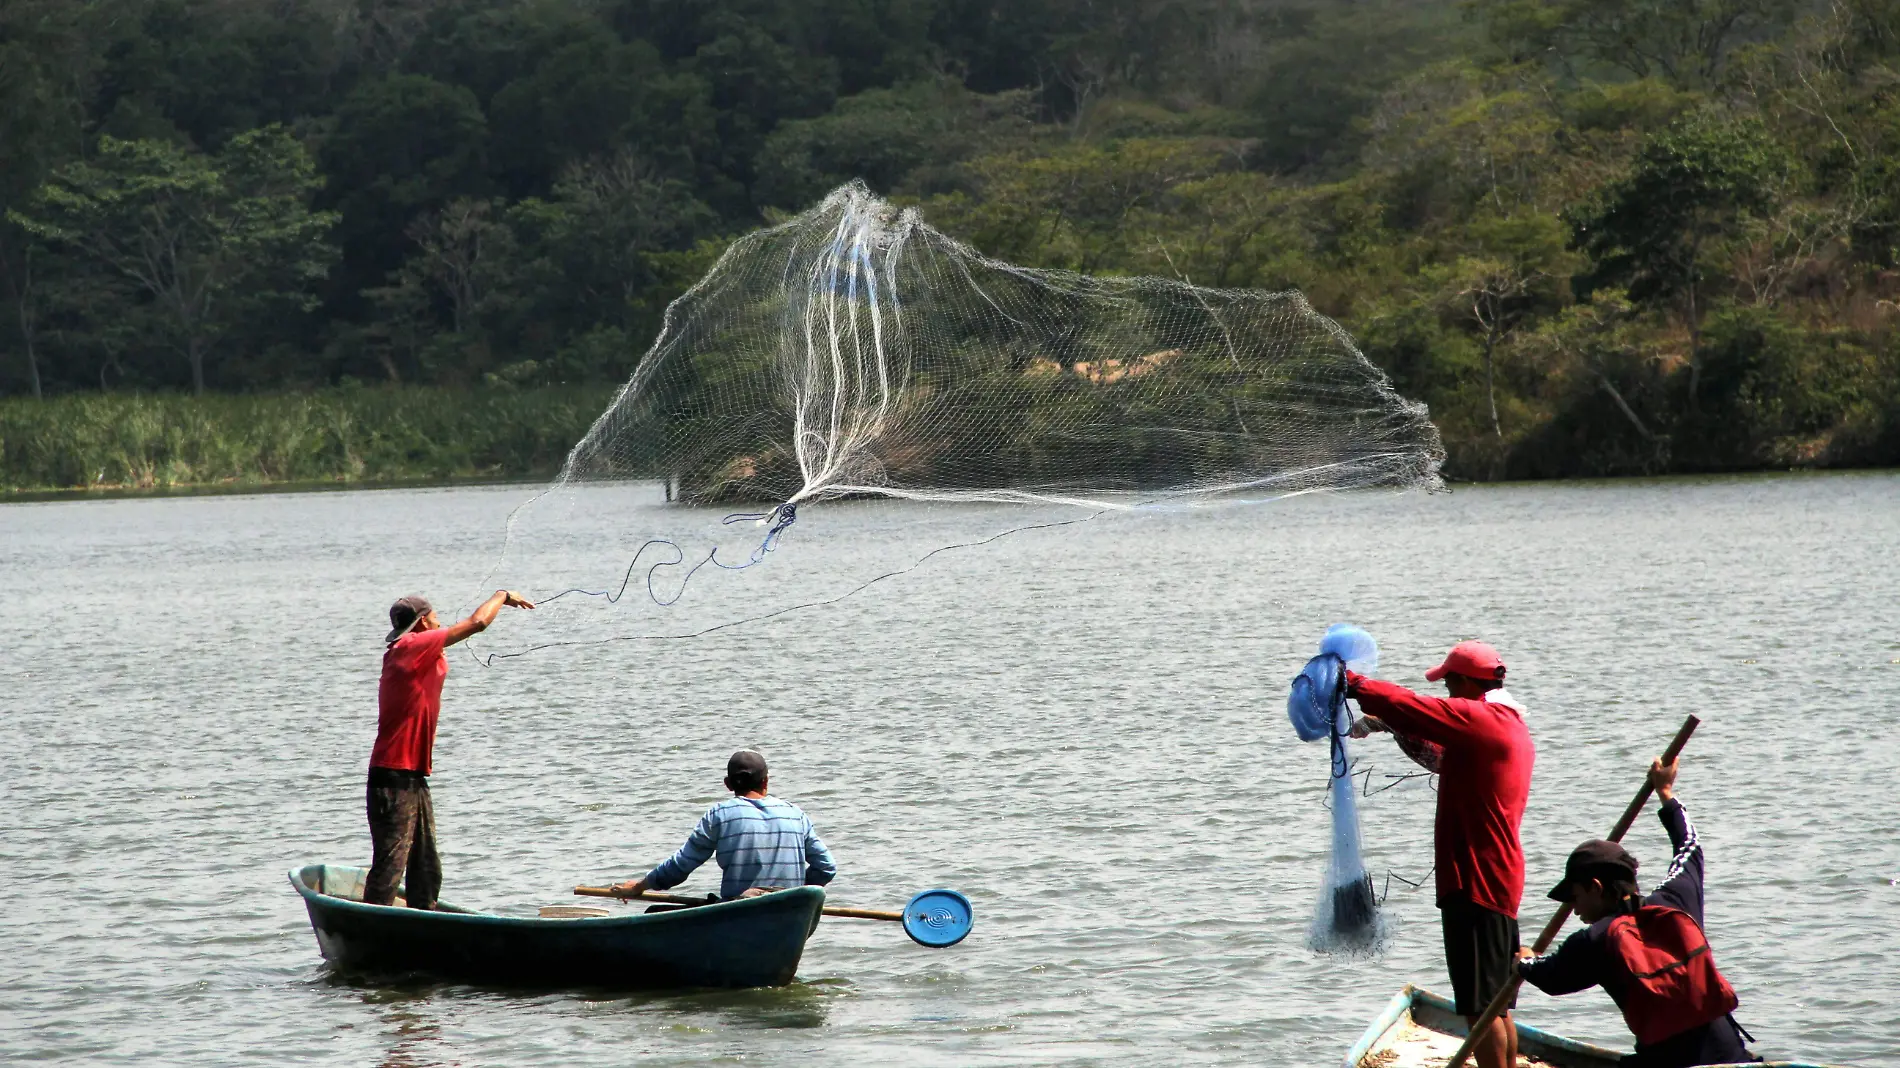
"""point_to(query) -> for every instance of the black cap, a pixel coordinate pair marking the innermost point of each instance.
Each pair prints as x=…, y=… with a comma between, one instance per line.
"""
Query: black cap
x=1595, y=859
x=404, y=614
x=746, y=762
x=745, y=771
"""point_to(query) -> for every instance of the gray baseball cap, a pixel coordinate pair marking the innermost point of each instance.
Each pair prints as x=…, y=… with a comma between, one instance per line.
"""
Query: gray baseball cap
x=404, y=614
x=746, y=762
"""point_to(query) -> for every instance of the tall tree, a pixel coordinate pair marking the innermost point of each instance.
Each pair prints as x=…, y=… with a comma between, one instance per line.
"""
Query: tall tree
x=402, y=146
x=203, y=237
x=463, y=261
x=1510, y=270
x=594, y=241
x=47, y=60
x=1652, y=230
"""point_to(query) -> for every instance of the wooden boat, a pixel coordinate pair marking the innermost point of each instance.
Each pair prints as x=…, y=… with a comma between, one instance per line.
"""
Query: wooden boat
x=744, y=943
x=1420, y=1029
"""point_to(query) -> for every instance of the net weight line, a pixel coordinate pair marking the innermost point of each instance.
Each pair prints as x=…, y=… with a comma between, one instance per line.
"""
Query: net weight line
x=784, y=515
x=781, y=518
x=488, y=659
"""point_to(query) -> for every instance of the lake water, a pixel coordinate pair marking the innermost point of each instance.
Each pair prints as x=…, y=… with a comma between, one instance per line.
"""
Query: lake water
x=1081, y=728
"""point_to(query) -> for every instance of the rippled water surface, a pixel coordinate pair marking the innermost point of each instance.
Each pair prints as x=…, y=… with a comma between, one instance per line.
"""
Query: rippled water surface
x=1082, y=728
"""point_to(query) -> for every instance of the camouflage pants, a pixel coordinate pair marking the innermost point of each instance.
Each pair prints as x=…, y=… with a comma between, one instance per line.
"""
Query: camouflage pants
x=402, y=836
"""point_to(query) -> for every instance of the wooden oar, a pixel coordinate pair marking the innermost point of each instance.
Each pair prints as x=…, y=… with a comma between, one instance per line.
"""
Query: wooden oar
x=934, y=918
x=1509, y=990
x=683, y=899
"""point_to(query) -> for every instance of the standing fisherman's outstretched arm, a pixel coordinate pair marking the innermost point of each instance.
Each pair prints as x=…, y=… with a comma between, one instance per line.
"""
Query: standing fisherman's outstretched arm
x=479, y=619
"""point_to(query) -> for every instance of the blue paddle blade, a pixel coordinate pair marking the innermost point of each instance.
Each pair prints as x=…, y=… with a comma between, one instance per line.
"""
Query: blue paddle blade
x=938, y=918
x=1309, y=704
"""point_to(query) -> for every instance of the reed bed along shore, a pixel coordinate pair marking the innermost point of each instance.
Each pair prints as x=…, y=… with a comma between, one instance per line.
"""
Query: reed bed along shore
x=165, y=440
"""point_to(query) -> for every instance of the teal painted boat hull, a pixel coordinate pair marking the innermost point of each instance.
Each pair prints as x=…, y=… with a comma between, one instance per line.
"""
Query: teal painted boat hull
x=746, y=943
x=1419, y=1029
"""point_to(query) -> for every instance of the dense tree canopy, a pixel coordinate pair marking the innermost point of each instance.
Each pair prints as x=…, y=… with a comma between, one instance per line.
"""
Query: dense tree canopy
x=1595, y=235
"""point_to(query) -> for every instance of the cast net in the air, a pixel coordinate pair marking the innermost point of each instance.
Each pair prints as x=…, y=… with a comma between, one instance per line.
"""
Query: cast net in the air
x=855, y=352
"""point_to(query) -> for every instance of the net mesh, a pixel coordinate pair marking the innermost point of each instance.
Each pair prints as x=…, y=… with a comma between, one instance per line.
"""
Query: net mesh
x=854, y=354
x=854, y=351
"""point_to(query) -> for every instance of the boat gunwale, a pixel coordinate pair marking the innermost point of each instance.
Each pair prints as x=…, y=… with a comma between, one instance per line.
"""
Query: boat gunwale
x=1402, y=1004
x=1396, y=1009
x=1402, y=1007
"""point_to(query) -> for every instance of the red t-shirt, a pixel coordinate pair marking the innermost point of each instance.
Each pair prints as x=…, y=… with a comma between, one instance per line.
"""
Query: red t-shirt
x=409, y=700
x=1484, y=781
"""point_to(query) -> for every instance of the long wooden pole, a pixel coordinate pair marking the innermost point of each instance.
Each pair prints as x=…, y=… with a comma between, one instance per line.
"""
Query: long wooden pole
x=681, y=899
x=1502, y=1001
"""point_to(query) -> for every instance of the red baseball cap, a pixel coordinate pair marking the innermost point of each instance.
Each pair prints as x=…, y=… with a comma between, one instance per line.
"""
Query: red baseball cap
x=1474, y=660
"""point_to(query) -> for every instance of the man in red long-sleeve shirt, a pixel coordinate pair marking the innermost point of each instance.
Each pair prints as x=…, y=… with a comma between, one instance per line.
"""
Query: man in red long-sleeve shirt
x=1477, y=742
x=408, y=703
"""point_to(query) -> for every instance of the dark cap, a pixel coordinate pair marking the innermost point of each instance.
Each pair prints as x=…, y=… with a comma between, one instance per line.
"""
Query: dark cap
x=1595, y=859
x=746, y=763
x=404, y=614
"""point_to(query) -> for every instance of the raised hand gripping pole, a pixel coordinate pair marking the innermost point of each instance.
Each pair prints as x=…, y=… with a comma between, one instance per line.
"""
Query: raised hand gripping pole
x=1509, y=990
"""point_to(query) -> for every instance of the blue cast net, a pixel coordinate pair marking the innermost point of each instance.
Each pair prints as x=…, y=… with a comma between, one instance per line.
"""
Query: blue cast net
x=1347, y=915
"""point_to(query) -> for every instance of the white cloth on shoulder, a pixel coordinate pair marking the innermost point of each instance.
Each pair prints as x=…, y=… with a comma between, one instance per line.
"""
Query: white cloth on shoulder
x=1501, y=696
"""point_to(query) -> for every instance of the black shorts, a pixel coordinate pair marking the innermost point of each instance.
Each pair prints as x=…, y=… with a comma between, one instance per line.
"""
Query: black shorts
x=1479, y=948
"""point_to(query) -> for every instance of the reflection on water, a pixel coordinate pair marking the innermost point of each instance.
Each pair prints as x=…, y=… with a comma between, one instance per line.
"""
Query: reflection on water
x=403, y=1012
x=409, y=1008
x=413, y=1035
x=802, y=1004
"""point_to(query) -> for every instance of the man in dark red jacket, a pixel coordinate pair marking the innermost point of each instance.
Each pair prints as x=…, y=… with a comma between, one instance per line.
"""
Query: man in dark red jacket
x=1477, y=742
x=1648, y=953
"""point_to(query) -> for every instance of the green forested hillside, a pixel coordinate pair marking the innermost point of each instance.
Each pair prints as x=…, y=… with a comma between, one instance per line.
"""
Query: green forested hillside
x=1596, y=236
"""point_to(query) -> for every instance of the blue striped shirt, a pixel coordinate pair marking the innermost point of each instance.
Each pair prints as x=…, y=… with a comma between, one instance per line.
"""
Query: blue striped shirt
x=759, y=842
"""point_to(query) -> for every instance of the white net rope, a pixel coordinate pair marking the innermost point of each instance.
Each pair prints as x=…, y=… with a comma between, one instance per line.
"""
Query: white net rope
x=1346, y=918
x=855, y=351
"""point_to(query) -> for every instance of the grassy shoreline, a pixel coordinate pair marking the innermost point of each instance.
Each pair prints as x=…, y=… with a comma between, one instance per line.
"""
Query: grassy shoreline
x=343, y=437
x=247, y=489
x=123, y=444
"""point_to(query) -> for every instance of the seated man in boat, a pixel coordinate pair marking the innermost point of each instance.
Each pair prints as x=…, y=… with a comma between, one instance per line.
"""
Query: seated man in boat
x=1648, y=953
x=409, y=700
x=1475, y=738
x=762, y=843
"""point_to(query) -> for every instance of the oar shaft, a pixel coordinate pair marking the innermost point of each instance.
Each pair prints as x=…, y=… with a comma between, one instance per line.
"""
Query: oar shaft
x=680, y=899
x=1509, y=991
x=863, y=914
x=648, y=895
